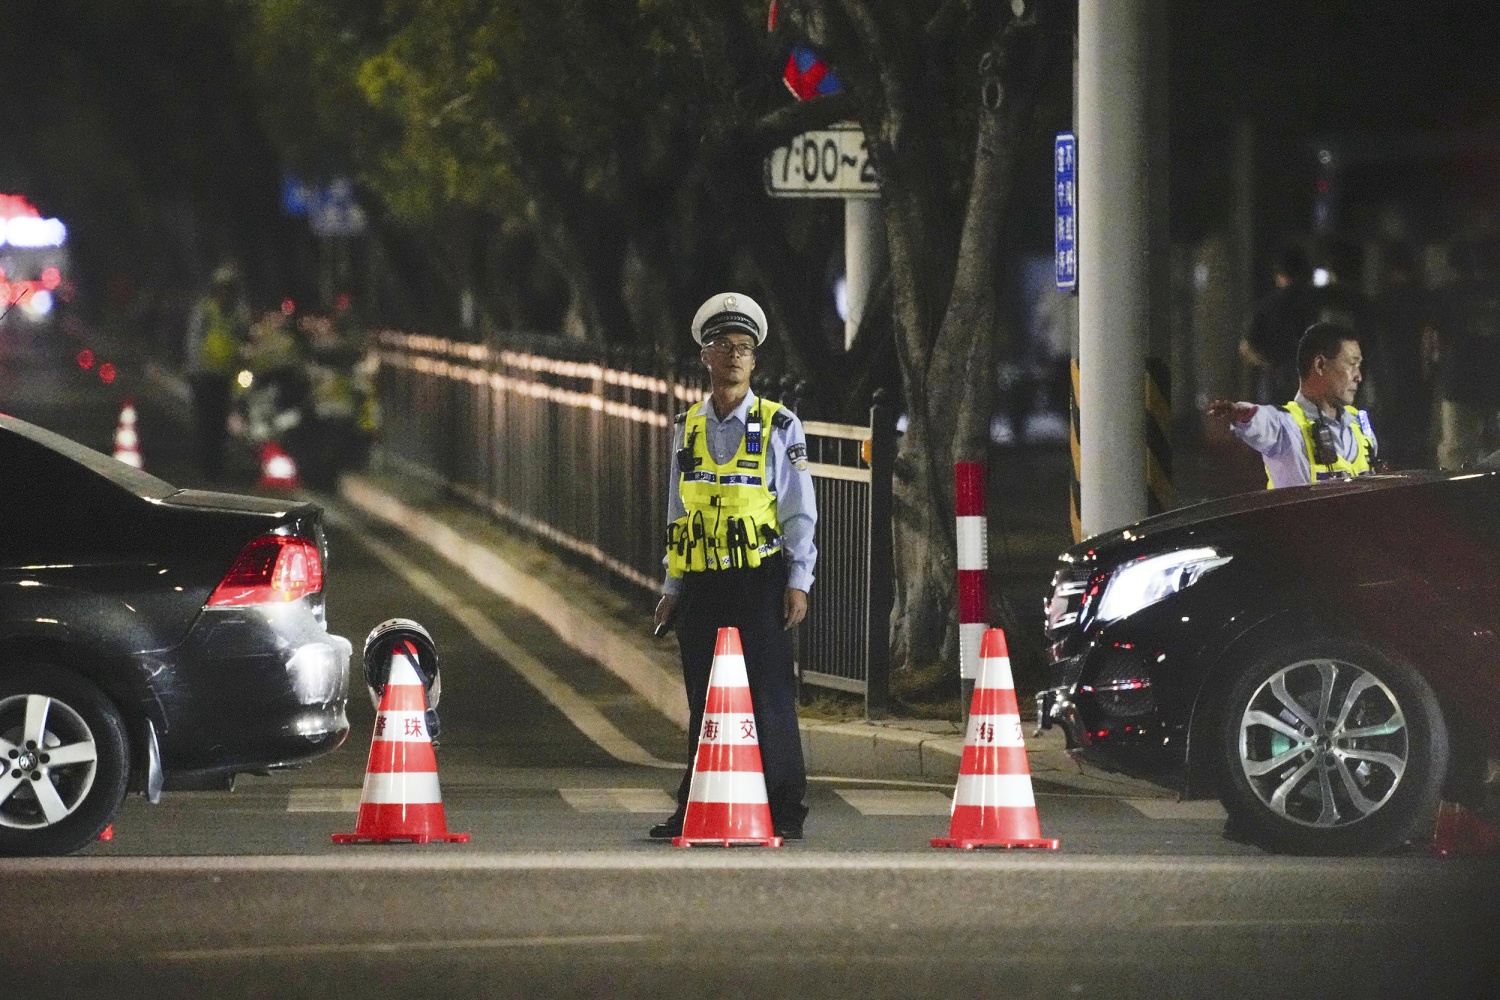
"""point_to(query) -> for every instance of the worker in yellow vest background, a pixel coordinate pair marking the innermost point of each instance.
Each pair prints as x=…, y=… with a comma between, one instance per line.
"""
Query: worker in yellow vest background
x=1320, y=434
x=213, y=356
x=740, y=520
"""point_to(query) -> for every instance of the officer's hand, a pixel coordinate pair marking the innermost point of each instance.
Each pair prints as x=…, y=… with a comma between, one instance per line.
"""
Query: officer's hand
x=1223, y=411
x=664, y=608
x=794, y=607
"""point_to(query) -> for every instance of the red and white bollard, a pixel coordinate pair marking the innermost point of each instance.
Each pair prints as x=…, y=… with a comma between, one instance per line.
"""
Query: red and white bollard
x=973, y=565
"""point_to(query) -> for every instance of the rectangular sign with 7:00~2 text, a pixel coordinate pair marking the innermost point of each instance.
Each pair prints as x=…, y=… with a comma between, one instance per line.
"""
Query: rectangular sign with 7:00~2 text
x=827, y=163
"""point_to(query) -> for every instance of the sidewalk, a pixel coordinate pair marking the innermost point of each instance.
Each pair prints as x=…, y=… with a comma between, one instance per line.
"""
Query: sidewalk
x=615, y=631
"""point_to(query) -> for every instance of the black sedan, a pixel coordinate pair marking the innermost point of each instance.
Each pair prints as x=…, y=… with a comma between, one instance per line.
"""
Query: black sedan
x=1324, y=659
x=150, y=638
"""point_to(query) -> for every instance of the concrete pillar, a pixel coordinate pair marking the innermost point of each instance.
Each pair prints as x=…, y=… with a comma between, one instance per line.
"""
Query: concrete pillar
x=1118, y=154
x=864, y=255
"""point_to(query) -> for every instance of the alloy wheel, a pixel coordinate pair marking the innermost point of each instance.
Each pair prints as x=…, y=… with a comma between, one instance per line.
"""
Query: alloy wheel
x=50, y=759
x=1323, y=743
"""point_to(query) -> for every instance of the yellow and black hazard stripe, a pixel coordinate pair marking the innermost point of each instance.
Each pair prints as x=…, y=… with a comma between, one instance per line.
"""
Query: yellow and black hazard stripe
x=1075, y=493
x=1159, y=492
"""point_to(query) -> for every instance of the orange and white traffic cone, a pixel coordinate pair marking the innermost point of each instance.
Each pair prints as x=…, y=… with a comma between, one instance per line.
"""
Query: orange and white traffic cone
x=277, y=469
x=1461, y=832
x=727, y=803
x=993, y=805
x=401, y=798
x=127, y=438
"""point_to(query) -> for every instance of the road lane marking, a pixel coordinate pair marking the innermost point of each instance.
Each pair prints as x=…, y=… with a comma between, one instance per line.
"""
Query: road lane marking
x=653, y=858
x=1172, y=809
x=587, y=719
x=323, y=800
x=618, y=800
x=390, y=947
x=877, y=802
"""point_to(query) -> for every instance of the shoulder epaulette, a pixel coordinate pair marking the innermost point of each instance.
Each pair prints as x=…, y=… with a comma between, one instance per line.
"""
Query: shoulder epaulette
x=781, y=419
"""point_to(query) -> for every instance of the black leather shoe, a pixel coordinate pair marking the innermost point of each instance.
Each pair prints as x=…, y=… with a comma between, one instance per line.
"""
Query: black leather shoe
x=667, y=828
x=789, y=832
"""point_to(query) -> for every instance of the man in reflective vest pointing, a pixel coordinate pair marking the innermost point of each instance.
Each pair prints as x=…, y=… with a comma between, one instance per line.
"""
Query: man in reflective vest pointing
x=1320, y=434
x=740, y=519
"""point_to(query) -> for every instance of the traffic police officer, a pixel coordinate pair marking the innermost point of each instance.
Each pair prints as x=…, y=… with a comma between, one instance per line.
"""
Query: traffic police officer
x=1320, y=434
x=740, y=513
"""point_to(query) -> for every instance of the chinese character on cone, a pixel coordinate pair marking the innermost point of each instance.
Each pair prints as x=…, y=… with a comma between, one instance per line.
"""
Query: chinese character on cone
x=993, y=805
x=727, y=803
x=401, y=798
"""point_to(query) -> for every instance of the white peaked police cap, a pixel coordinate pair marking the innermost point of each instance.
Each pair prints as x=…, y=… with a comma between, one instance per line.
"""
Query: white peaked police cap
x=729, y=311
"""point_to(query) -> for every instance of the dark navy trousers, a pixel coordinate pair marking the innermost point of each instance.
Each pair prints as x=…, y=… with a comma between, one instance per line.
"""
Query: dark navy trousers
x=750, y=600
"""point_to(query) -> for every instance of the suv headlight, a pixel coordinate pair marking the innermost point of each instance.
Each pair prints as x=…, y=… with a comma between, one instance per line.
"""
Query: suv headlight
x=1142, y=583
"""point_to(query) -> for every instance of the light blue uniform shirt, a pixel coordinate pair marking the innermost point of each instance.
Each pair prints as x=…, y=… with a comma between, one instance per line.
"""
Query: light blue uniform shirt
x=796, y=505
x=1274, y=433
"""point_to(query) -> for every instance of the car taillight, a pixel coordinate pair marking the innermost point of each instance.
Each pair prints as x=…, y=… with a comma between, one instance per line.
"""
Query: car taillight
x=272, y=569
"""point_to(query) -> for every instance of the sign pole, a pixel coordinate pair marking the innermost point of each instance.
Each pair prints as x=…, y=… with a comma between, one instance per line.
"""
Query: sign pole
x=864, y=253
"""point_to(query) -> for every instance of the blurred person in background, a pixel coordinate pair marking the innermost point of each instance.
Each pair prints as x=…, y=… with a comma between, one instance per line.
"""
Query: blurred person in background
x=275, y=393
x=1405, y=318
x=216, y=334
x=1467, y=352
x=1269, y=346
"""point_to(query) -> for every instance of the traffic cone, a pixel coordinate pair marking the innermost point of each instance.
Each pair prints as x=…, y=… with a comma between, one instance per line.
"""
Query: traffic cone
x=108, y=833
x=277, y=469
x=993, y=805
x=727, y=803
x=401, y=798
x=127, y=439
x=1462, y=833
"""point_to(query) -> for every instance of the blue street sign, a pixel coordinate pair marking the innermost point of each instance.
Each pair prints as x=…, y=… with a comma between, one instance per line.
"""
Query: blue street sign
x=1065, y=166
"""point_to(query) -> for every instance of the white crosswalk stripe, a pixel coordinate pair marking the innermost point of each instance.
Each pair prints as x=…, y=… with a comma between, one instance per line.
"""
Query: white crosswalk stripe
x=323, y=800
x=881, y=802
x=1172, y=809
x=618, y=800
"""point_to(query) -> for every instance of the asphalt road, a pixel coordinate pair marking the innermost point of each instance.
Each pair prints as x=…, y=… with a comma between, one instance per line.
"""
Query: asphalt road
x=243, y=893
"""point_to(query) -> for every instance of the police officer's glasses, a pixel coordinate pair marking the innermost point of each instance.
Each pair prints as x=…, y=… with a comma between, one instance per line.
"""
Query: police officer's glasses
x=725, y=349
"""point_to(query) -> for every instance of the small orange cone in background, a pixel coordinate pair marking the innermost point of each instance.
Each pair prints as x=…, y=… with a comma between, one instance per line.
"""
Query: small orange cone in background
x=993, y=805
x=401, y=798
x=727, y=803
x=127, y=439
x=277, y=469
x=1462, y=833
x=108, y=833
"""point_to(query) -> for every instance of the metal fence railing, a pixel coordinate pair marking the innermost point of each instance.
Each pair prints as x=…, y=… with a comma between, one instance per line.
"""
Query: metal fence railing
x=576, y=452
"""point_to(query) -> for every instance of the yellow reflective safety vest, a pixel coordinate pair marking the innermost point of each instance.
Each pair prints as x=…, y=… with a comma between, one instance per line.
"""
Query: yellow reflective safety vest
x=1341, y=467
x=219, y=350
x=731, y=512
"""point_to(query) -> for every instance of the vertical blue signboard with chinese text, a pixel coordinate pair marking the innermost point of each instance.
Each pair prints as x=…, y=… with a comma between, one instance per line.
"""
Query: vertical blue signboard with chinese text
x=1065, y=166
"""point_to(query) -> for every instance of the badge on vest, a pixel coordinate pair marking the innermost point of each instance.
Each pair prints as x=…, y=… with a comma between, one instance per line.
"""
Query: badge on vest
x=747, y=463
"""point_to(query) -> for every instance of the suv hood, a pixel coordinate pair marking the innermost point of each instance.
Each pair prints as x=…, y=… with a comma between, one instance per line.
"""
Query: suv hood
x=1245, y=503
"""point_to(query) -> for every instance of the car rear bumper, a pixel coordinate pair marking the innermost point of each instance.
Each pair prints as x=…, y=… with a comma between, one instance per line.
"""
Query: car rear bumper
x=252, y=689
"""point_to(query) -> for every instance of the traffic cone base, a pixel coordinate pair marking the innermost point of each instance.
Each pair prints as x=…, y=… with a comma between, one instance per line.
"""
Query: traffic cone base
x=727, y=804
x=993, y=805
x=1462, y=833
x=401, y=801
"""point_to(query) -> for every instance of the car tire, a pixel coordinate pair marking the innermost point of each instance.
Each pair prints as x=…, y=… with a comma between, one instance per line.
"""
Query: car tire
x=49, y=806
x=1328, y=746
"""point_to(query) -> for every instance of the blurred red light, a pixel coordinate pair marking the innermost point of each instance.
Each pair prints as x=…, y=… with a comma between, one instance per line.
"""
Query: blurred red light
x=107, y=373
x=51, y=278
x=288, y=307
x=85, y=359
